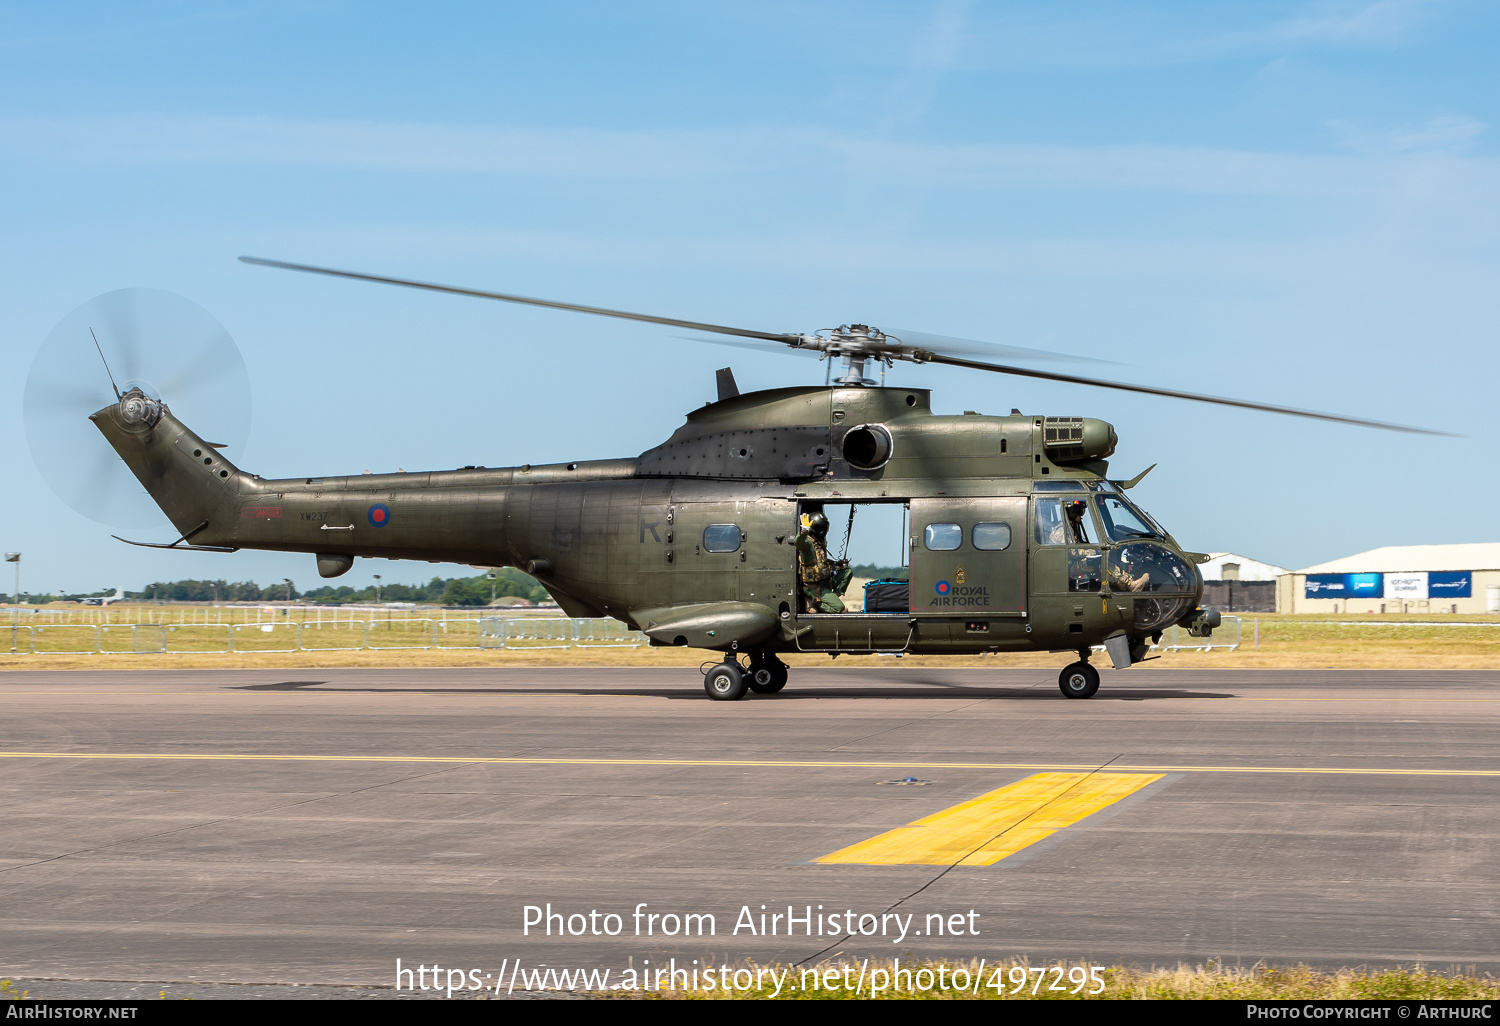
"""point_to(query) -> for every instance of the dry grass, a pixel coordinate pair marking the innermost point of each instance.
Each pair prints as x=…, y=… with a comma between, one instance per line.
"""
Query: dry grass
x=1285, y=642
x=1185, y=982
x=1431, y=642
x=663, y=657
x=1302, y=656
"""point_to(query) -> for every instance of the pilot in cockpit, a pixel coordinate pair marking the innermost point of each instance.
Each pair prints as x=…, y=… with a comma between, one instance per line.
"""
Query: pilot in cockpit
x=1078, y=513
x=1062, y=523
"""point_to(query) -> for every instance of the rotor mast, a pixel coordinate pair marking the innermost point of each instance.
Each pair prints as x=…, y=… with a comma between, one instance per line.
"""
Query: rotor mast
x=856, y=345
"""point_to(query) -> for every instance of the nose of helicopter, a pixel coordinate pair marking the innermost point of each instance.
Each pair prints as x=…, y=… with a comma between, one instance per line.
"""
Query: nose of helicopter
x=1166, y=584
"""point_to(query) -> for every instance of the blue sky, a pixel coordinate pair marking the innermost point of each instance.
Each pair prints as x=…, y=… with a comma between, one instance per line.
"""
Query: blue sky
x=1291, y=202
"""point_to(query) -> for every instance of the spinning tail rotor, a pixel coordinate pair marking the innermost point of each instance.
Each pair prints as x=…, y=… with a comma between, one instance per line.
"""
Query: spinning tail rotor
x=157, y=348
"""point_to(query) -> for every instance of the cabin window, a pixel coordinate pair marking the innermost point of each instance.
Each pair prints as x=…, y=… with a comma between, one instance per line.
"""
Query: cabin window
x=942, y=537
x=721, y=537
x=991, y=537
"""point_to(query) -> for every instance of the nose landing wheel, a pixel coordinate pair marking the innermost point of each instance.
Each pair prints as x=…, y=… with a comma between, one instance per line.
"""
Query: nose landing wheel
x=1079, y=680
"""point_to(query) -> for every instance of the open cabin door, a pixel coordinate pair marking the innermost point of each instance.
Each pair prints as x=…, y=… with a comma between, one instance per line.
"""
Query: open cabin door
x=968, y=556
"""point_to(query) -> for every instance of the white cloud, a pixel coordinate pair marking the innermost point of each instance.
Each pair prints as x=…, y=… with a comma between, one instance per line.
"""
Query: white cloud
x=810, y=154
x=1143, y=34
x=1385, y=22
x=1451, y=133
x=933, y=53
x=392, y=146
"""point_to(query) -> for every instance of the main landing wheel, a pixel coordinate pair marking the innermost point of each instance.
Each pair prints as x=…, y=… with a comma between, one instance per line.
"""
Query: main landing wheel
x=1079, y=680
x=725, y=683
x=767, y=675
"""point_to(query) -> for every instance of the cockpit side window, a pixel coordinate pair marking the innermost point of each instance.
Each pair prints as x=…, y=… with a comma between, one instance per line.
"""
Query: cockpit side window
x=1062, y=522
x=1121, y=522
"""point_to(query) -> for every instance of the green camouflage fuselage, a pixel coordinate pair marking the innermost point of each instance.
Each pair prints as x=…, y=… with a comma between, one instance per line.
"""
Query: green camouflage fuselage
x=631, y=539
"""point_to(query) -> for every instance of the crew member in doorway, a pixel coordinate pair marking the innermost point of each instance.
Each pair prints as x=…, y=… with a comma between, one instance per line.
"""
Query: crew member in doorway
x=816, y=573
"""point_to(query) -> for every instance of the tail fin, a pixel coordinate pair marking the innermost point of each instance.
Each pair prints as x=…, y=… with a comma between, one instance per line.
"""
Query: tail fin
x=194, y=485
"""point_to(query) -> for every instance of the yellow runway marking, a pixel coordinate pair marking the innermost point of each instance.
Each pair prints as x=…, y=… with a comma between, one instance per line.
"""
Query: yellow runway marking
x=984, y=831
x=885, y=764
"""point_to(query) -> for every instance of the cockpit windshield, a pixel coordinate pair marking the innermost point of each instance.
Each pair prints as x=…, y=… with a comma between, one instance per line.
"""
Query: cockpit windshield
x=1122, y=521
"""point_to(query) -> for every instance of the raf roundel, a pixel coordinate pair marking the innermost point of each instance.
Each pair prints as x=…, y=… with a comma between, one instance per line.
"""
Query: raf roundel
x=943, y=587
x=379, y=515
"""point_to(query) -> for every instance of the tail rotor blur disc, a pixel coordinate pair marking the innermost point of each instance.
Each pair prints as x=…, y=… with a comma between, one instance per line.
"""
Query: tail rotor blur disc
x=170, y=347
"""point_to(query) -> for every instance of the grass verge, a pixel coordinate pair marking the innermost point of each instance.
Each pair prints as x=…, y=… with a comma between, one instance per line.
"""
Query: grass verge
x=1285, y=642
x=894, y=980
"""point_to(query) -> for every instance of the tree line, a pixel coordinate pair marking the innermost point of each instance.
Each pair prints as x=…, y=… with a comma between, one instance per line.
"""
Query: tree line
x=447, y=591
x=876, y=573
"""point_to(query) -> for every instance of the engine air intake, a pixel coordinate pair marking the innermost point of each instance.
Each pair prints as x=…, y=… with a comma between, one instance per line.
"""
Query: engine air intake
x=1072, y=439
x=868, y=446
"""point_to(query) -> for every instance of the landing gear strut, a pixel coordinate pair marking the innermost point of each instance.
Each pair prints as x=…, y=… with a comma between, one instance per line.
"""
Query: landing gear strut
x=1079, y=680
x=767, y=673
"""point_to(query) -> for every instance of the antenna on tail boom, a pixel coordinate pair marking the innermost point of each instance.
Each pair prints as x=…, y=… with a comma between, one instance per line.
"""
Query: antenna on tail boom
x=106, y=365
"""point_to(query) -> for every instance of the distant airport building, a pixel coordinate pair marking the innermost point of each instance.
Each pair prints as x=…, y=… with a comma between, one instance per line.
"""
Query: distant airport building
x=1238, y=584
x=1398, y=579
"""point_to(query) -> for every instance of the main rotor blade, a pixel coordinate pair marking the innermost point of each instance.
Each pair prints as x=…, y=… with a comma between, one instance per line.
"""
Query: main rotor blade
x=947, y=345
x=783, y=337
x=754, y=345
x=1173, y=394
x=795, y=341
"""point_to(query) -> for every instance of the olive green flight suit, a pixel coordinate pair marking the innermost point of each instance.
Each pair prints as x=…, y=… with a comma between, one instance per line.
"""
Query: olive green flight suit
x=815, y=576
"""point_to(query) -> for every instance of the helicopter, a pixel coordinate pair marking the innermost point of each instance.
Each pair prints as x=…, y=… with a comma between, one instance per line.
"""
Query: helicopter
x=1016, y=537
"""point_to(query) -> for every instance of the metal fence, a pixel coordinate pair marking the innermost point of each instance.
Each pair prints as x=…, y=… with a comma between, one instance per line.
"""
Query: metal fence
x=521, y=633
x=1225, y=636
x=200, y=616
x=536, y=633
x=490, y=632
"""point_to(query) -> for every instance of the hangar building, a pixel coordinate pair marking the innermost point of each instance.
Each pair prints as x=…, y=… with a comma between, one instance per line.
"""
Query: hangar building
x=1238, y=584
x=1398, y=579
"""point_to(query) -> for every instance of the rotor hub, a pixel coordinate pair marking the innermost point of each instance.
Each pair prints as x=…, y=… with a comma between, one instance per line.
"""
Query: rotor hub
x=856, y=344
x=136, y=407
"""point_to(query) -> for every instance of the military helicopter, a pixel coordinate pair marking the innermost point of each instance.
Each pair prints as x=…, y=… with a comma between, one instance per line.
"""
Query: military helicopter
x=1017, y=538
